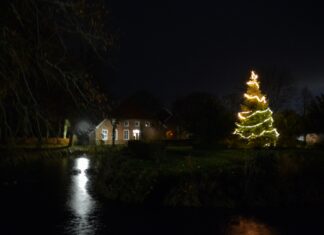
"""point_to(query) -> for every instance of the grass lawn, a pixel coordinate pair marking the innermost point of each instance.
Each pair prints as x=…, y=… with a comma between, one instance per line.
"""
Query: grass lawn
x=183, y=176
x=186, y=158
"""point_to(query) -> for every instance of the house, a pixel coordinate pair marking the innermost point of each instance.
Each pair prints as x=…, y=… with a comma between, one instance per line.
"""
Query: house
x=139, y=117
x=126, y=129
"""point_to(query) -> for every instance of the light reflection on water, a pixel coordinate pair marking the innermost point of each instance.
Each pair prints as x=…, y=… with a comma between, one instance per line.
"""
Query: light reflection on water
x=81, y=202
x=248, y=226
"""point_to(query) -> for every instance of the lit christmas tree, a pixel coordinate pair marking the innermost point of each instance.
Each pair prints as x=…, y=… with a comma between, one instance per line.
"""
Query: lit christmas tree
x=255, y=124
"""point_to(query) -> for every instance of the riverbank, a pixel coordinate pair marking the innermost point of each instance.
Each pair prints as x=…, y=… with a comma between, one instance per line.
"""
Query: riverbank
x=22, y=153
x=46, y=192
x=215, y=178
x=187, y=177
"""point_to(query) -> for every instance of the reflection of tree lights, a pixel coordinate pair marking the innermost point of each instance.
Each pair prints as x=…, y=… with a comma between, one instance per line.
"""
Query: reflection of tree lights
x=249, y=227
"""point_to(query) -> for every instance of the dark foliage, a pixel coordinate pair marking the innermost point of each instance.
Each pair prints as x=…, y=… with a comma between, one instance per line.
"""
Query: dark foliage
x=252, y=178
x=316, y=114
x=290, y=125
x=47, y=49
x=143, y=150
x=278, y=84
x=204, y=117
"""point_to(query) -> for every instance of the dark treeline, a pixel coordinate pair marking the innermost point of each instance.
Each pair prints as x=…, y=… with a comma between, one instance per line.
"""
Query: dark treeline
x=210, y=120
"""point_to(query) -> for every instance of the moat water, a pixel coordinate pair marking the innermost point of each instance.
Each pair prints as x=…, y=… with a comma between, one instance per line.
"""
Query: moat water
x=56, y=196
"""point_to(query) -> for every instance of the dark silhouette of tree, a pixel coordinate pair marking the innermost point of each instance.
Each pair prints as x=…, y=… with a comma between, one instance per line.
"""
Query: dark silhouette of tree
x=278, y=84
x=47, y=54
x=290, y=125
x=232, y=102
x=203, y=116
x=316, y=114
x=306, y=100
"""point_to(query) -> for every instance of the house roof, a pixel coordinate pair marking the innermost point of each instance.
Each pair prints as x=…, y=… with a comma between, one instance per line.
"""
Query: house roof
x=141, y=105
x=132, y=111
x=100, y=123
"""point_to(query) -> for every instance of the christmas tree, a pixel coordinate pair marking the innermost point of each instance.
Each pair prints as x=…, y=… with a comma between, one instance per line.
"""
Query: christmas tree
x=255, y=125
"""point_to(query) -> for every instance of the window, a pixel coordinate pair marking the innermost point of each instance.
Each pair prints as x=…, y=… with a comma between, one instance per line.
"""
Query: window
x=147, y=124
x=126, y=123
x=136, y=134
x=137, y=123
x=104, y=134
x=116, y=134
x=126, y=134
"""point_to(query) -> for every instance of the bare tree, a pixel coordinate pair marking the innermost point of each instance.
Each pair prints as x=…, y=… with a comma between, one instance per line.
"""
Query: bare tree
x=306, y=100
x=278, y=84
x=46, y=46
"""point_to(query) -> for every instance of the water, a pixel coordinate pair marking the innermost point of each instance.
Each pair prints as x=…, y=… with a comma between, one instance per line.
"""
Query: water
x=80, y=202
x=55, y=196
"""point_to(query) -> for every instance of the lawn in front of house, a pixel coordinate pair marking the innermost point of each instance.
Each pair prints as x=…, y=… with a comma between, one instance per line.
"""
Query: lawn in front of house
x=183, y=176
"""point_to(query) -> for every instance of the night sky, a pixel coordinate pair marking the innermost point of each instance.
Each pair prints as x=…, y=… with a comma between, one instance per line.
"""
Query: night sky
x=172, y=48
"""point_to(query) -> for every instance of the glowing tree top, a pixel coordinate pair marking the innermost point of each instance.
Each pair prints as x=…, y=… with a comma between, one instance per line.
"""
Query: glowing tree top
x=255, y=124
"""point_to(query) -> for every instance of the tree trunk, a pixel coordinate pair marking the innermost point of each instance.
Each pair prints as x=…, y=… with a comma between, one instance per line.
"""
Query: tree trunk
x=59, y=129
x=71, y=139
x=113, y=135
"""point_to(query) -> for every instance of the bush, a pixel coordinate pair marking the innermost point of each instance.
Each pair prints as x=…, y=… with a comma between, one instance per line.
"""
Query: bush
x=145, y=150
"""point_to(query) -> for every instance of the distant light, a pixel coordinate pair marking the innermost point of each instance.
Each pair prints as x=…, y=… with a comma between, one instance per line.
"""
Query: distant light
x=136, y=133
x=301, y=138
x=82, y=164
x=83, y=127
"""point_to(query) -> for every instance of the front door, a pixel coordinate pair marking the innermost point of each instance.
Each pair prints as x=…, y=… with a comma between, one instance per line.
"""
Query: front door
x=136, y=134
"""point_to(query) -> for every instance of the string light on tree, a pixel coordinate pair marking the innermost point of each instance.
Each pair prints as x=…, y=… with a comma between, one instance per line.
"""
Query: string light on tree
x=255, y=124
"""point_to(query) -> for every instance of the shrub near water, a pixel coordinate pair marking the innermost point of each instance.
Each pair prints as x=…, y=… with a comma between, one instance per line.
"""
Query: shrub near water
x=287, y=178
x=220, y=179
x=125, y=179
x=143, y=150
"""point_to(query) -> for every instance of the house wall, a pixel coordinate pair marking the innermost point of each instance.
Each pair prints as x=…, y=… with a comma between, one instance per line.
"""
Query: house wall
x=146, y=132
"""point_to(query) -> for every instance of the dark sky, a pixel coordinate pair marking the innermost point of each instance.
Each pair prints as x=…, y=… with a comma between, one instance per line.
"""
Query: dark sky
x=175, y=47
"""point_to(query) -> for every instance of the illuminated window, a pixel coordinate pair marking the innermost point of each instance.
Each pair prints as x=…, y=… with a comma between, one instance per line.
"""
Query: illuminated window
x=126, y=123
x=104, y=134
x=137, y=123
x=136, y=134
x=126, y=134
x=147, y=124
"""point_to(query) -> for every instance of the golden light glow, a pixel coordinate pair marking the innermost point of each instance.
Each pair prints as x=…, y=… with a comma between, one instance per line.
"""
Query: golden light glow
x=264, y=127
x=253, y=114
x=258, y=124
x=251, y=83
x=254, y=76
x=261, y=100
x=252, y=136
